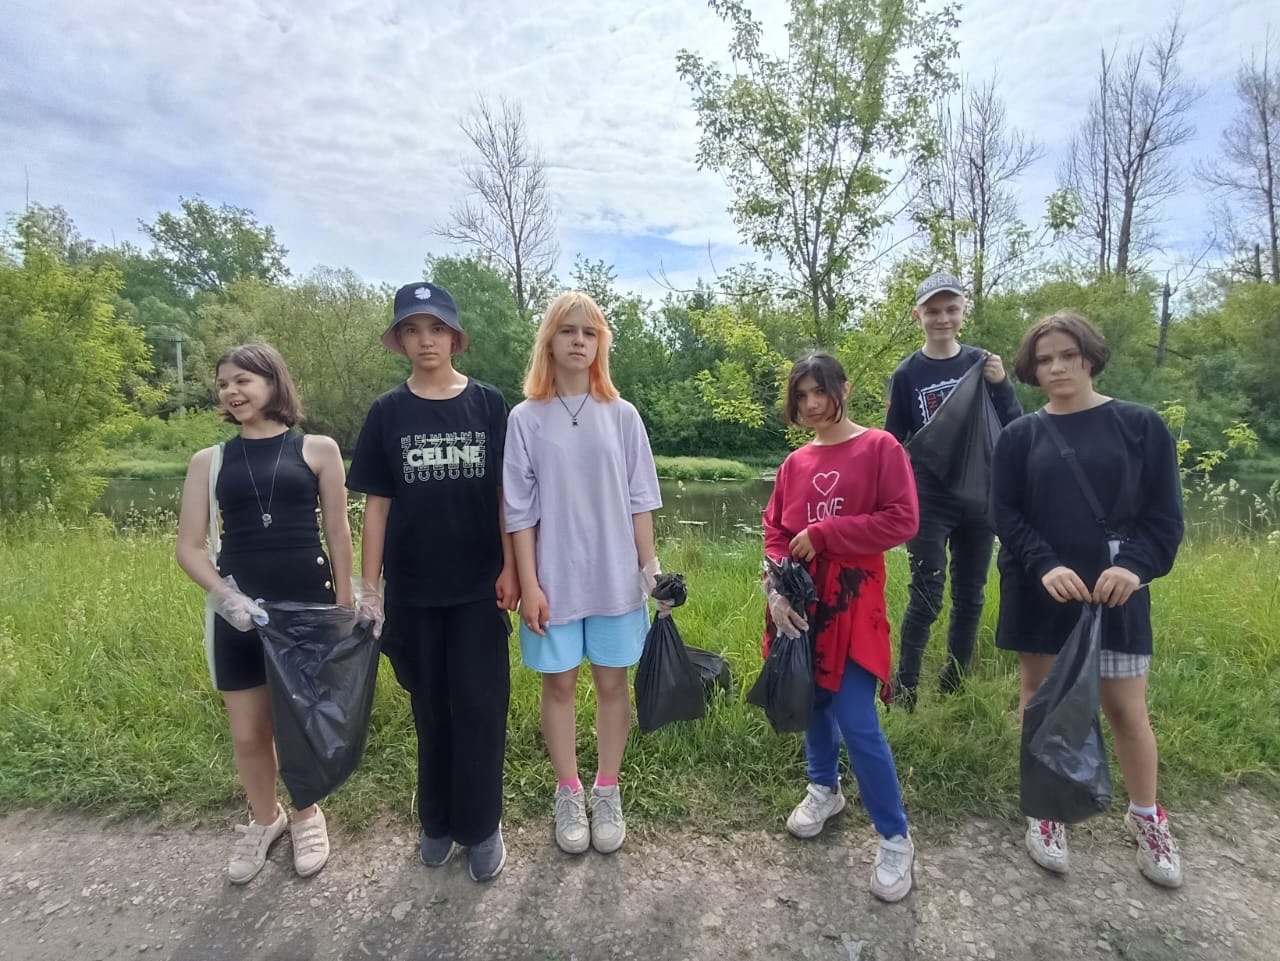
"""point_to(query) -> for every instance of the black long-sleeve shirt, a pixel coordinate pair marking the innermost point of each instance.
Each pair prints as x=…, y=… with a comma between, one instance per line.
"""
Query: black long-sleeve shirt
x=1044, y=520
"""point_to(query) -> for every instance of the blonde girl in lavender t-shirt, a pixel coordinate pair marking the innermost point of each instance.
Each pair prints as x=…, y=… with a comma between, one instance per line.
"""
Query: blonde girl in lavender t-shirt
x=580, y=488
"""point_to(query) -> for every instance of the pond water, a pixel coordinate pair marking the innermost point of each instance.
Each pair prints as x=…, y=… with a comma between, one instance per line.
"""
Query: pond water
x=720, y=509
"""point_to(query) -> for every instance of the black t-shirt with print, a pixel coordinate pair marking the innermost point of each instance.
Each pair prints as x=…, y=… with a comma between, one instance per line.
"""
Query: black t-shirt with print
x=440, y=463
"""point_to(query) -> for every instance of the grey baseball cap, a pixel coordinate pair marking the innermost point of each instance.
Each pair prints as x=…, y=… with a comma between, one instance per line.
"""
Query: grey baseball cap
x=938, y=284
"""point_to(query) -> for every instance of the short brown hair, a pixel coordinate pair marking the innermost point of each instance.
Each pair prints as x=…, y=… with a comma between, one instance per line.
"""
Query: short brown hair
x=1093, y=346
x=265, y=361
x=828, y=373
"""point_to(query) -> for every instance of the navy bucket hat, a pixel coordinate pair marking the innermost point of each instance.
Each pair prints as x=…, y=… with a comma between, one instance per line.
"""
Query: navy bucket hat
x=424, y=299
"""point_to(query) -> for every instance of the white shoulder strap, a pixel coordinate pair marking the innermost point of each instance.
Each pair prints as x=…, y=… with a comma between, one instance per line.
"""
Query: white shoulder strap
x=215, y=535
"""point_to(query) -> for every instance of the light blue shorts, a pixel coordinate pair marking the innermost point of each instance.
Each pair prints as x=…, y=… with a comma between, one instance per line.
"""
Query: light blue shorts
x=604, y=641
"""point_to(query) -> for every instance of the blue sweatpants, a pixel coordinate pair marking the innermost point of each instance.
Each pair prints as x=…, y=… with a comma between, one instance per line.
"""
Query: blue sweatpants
x=851, y=712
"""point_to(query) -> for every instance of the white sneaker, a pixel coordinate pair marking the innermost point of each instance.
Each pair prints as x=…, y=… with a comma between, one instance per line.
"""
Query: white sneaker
x=608, y=829
x=1047, y=844
x=573, y=831
x=810, y=815
x=310, y=844
x=1158, y=858
x=891, y=876
x=254, y=841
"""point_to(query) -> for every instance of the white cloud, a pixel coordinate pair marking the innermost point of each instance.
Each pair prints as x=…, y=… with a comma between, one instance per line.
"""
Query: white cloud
x=337, y=122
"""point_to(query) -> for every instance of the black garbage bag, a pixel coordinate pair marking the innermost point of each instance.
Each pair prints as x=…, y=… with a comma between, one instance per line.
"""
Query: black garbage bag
x=670, y=587
x=785, y=685
x=956, y=445
x=321, y=672
x=713, y=670
x=668, y=686
x=1064, y=759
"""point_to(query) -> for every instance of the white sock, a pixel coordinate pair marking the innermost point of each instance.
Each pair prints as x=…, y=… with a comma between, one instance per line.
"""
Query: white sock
x=1141, y=811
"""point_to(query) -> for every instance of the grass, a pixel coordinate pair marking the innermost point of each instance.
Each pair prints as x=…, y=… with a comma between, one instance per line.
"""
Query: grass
x=703, y=468
x=105, y=703
x=149, y=465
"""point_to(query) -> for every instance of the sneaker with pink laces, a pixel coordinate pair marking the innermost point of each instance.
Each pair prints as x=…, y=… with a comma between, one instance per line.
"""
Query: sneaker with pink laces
x=1047, y=844
x=1158, y=858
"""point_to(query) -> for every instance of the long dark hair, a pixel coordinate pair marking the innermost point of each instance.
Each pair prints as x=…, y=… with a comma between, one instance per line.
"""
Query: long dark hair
x=265, y=361
x=828, y=373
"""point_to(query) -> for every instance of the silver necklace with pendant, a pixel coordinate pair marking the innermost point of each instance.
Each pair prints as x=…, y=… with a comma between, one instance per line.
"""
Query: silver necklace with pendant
x=266, y=512
x=573, y=414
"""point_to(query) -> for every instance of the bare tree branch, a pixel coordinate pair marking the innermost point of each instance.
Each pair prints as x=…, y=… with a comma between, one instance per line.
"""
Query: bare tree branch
x=1249, y=169
x=1120, y=164
x=510, y=214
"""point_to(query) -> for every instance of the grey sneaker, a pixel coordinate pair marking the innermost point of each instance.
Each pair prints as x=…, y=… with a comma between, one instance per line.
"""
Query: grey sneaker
x=310, y=844
x=252, y=845
x=608, y=829
x=810, y=816
x=1047, y=845
x=891, y=876
x=573, y=831
x=434, y=851
x=1158, y=858
x=485, y=860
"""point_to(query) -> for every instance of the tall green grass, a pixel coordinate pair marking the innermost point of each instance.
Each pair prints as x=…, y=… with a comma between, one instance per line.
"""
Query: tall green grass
x=703, y=468
x=105, y=703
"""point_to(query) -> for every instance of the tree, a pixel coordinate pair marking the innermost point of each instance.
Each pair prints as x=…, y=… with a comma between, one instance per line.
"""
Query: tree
x=71, y=376
x=1120, y=165
x=510, y=214
x=206, y=248
x=1249, y=170
x=52, y=230
x=806, y=140
x=328, y=326
x=967, y=194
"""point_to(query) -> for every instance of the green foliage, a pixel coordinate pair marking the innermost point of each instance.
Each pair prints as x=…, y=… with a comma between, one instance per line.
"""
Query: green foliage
x=70, y=377
x=178, y=435
x=807, y=140
x=703, y=468
x=1233, y=349
x=328, y=328
x=207, y=248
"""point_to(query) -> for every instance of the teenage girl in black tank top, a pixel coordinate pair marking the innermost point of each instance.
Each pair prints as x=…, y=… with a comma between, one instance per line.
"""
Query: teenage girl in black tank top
x=271, y=481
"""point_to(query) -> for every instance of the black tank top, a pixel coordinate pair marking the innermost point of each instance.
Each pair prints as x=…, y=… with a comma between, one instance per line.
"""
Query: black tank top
x=292, y=508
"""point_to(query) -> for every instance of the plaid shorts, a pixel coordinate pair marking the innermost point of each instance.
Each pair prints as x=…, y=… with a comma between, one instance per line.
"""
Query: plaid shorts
x=1117, y=664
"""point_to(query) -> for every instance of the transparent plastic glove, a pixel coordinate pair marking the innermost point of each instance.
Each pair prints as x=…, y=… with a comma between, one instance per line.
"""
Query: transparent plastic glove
x=649, y=576
x=237, y=609
x=369, y=607
x=649, y=580
x=788, y=620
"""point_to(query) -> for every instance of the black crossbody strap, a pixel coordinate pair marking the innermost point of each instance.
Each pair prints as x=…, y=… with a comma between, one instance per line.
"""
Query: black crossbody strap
x=1069, y=455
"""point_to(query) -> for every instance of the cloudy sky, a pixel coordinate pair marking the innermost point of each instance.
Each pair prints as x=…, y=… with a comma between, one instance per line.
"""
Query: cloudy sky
x=336, y=120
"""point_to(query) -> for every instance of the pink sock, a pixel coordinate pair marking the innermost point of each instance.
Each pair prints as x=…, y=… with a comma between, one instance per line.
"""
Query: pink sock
x=606, y=781
x=573, y=784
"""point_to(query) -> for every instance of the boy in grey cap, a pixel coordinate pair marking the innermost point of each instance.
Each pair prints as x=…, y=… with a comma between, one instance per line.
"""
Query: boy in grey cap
x=918, y=387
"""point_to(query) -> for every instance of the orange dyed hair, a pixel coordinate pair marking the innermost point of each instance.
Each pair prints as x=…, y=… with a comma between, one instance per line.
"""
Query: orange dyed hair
x=540, y=378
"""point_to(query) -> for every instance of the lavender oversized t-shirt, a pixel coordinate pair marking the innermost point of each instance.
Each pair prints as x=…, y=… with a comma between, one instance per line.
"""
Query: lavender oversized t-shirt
x=579, y=486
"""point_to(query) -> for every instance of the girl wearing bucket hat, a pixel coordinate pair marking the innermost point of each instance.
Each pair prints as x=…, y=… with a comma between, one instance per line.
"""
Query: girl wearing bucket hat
x=429, y=460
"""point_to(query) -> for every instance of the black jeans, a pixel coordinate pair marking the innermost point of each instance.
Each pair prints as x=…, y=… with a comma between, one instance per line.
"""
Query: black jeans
x=454, y=663
x=944, y=523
